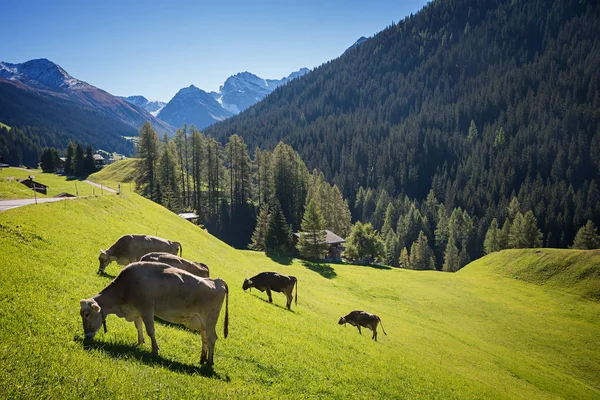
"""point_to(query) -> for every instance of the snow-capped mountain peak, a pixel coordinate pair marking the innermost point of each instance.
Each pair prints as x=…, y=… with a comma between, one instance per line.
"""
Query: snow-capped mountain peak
x=40, y=74
x=152, y=106
x=240, y=91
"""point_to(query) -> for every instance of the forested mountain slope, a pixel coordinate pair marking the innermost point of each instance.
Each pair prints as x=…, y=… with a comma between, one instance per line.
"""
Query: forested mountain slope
x=478, y=101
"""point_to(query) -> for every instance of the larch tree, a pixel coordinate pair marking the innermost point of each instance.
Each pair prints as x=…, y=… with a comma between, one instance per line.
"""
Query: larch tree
x=168, y=178
x=148, y=149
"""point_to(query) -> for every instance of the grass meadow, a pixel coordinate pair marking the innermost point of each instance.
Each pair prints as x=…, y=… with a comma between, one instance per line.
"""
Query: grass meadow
x=496, y=329
x=56, y=184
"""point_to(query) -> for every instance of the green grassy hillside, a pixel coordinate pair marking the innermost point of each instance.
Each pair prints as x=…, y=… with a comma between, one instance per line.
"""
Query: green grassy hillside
x=4, y=126
x=119, y=171
x=474, y=334
x=56, y=184
x=574, y=271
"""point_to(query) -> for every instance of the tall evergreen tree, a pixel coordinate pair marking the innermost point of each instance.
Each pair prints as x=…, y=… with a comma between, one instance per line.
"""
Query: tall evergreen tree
x=89, y=162
x=492, y=238
x=421, y=255
x=279, y=235
x=451, y=259
x=148, y=149
x=260, y=231
x=587, y=237
x=313, y=238
x=79, y=161
x=167, y=174
x=70, y=159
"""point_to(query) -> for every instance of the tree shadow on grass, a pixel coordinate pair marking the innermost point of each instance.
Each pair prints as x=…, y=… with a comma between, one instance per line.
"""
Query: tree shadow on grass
x=375, y=266
x=120, y=350
x=280, y=259
x=325, y=270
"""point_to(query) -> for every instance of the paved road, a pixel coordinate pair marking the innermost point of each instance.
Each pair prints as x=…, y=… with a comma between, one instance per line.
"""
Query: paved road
x=101, y=186
x=8, y=204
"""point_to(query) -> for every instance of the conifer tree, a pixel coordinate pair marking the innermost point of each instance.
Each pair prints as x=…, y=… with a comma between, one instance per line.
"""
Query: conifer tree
x=404, y=260
x=421, y=255
x=260, y=232
x=312, y=242
x=451, y=263
x=504, y=235
x=70, y=159
x=79, y=161
x=167, y=174
x=492, y=238
x=532, y=236
x=587, y=237
x=515, y=236
x=148, y=147
x=279, y=235
x=88, y=161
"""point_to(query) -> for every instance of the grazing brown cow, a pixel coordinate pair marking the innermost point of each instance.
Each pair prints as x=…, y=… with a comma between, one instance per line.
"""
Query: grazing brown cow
x=195, y=268
x=145, y=289
x=359, y=318
x=276, y=282
x=131, y=248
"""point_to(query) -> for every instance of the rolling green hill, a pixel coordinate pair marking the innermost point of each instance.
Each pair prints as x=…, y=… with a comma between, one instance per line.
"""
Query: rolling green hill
x=474, y=334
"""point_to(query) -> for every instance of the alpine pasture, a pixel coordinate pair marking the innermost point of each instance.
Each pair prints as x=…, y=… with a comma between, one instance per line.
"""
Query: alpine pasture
x=496, y=329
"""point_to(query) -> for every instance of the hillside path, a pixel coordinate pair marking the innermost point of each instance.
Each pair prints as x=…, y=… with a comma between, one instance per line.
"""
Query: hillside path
x=101, y=186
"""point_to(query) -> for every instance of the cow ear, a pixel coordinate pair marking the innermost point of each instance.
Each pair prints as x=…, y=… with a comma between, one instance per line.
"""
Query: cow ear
x=83, y=303
x=96, y=307
x=249, y=282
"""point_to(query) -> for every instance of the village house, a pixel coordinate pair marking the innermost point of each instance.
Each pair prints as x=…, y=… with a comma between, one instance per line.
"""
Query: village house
x=335, y=246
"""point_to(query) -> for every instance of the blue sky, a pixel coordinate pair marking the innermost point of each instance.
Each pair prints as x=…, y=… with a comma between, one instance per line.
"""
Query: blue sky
x=154, y=48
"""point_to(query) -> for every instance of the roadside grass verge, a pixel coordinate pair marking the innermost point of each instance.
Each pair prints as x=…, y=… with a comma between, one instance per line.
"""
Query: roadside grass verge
x=466, y=335
x=56, y=184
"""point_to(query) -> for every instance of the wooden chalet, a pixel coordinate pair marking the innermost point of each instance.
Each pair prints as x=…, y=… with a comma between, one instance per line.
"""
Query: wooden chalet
x=33, y=185
x=335, y=246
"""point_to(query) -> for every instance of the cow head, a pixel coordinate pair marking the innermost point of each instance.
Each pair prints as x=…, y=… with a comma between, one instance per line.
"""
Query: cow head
x=247, y=284
x=91, y=317
x=342, y=321
x=104, y=261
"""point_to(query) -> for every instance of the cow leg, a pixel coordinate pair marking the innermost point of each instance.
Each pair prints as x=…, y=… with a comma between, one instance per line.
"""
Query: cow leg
x=140, y=332
x=204, y=354
x=374, y=333
x=289, y=296
x=149, y=322
x=212, y=339
x=269, y=294
x=359, y=331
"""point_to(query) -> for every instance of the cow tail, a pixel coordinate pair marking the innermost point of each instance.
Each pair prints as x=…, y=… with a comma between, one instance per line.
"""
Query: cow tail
x=381, y=323
x=226, y=327
x=296, y=291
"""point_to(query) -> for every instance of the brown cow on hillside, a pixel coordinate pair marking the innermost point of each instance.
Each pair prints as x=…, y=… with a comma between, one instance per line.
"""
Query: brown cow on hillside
x=359, y=318
x=193, y=267
x=131, y=248
x=145, y=289
x=276, y=282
